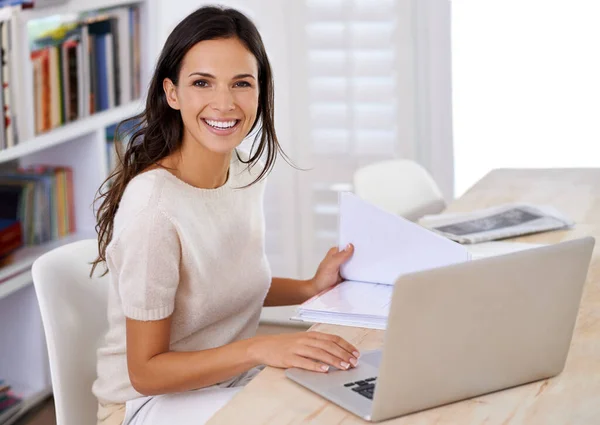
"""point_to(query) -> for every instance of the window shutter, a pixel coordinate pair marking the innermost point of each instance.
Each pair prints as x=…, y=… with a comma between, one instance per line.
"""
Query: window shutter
x=350, y=109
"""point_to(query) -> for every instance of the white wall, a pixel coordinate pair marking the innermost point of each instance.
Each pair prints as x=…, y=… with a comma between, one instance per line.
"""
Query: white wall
x=526, y=85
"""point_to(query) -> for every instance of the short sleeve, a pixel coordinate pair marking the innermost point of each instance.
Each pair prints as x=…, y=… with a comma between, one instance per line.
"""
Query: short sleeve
x=145, y=261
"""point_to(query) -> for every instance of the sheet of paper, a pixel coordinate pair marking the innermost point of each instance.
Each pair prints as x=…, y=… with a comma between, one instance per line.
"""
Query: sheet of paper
x=354, y=321
x=353, y=298
x=387, y=246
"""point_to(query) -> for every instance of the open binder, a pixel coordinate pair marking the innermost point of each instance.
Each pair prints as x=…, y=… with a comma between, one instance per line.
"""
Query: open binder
x=386, y=247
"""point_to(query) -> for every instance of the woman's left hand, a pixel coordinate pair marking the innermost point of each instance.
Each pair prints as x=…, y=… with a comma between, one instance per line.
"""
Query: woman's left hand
x=328, y=272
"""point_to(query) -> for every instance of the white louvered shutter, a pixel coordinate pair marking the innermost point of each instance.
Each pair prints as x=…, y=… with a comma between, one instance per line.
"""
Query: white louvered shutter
x=349, y=77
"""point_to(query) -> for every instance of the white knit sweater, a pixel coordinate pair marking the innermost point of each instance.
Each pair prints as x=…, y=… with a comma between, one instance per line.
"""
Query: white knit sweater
x=195, y=254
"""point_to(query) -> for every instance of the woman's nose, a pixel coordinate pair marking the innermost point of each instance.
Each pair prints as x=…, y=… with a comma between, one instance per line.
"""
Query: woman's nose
x=223, y=100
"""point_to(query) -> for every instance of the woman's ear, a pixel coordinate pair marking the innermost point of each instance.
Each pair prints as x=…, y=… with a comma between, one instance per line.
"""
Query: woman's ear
x=171, y=93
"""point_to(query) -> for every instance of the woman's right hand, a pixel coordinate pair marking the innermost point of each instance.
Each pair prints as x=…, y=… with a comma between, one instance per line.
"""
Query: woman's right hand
x=313, y=351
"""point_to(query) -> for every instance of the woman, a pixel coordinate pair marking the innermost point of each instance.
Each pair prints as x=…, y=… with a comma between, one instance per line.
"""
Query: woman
x=181, y=231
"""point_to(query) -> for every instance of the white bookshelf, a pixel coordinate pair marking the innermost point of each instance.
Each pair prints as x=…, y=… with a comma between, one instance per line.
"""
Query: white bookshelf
x=71, y=131
x=80, y=145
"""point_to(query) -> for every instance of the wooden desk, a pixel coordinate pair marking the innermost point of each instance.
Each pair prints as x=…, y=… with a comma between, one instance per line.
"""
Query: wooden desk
x=573, y=397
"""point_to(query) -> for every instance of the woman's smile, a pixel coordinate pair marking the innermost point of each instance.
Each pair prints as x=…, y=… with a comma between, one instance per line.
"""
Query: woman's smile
x=221, y=127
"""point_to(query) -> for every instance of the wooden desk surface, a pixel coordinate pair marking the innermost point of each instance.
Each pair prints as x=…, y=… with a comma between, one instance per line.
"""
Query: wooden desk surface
x=573, y=397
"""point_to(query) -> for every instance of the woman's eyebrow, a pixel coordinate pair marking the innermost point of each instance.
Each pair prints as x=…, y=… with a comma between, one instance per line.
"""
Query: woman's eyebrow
x=202, y=74
x=207, y=75
x=243, y=76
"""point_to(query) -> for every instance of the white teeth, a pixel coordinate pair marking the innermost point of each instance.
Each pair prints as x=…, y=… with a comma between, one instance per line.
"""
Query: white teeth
x=221, y=124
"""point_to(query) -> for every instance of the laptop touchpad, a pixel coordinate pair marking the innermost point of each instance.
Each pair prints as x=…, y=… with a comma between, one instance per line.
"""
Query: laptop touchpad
x=372, y=358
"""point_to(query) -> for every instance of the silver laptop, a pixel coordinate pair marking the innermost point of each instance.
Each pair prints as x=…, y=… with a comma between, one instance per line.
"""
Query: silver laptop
x=464, y=330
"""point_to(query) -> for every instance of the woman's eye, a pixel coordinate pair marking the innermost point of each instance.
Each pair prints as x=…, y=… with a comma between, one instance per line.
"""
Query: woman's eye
x=201, y=83
x=243, y=84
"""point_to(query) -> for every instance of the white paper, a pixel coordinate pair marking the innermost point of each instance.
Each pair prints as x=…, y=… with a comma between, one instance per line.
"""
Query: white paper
x=343, y=320
x=350, y=303
x=387, y=246
x=367, y=305
x=351, y=297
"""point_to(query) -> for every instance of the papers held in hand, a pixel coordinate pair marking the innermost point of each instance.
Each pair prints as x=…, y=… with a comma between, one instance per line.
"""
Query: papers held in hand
x=386, y=247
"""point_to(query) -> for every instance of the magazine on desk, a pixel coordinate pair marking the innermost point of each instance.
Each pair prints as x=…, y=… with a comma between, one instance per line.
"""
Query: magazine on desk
x=504, y=221
x=386, y=247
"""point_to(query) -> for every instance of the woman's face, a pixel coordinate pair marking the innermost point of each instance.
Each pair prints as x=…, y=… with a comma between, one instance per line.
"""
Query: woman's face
x=217, y=93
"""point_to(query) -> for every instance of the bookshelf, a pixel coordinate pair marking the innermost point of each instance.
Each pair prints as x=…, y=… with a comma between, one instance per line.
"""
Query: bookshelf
x=70, y=131
x=80, y=145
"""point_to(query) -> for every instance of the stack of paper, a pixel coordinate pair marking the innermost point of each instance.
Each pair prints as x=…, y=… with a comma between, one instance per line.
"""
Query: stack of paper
x=386, y=247
x=351, y=303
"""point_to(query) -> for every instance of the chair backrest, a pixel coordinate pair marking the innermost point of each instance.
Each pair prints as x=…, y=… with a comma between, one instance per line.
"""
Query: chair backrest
x=399, y=186
x=73, y=310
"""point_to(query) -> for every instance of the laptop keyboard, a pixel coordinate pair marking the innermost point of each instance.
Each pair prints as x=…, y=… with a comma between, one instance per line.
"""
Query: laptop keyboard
x=365, y=387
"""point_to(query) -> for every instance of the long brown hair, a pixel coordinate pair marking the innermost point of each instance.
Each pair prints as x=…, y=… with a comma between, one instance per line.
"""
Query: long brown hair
x=157, y=132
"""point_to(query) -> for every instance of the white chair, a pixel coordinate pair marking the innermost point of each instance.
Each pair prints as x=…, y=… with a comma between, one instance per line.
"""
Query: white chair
x=399, y=186
x=73, y=310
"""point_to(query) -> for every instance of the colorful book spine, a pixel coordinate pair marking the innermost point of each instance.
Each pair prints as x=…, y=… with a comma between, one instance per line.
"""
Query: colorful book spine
x=11, y=236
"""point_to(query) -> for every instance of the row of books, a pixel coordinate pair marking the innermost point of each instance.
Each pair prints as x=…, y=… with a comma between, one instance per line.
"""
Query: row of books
x=10, y=403
x=40, y=198
x=86, y=66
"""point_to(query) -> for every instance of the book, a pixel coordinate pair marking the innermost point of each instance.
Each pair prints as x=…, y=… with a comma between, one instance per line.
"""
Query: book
x=110, y=75
x=123, y=59
x=11, y=238
x=42, y=89
x=99, y=28
x=386, y=247
x=84, y=87
x=135, y=34
x=55, y=106
x=100, y=60
x=70, y=79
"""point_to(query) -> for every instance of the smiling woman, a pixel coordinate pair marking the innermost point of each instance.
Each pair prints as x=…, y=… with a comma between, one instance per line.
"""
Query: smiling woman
x=181, y=231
